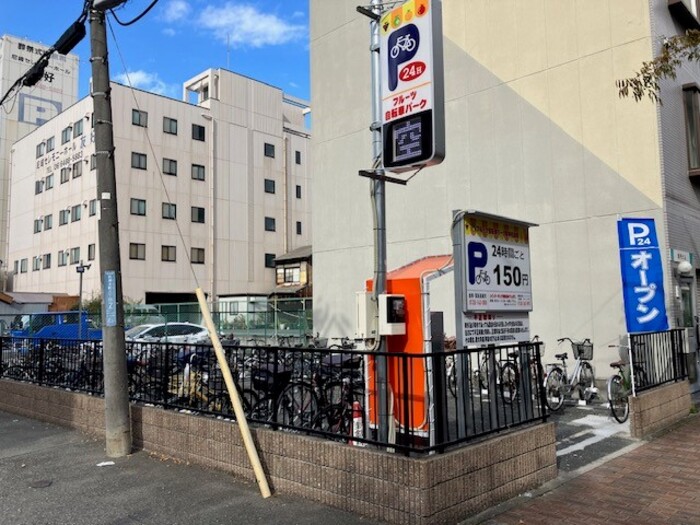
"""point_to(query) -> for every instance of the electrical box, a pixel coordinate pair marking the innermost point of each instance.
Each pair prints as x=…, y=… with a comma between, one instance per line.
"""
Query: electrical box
x=392, y=314
x=365, y=316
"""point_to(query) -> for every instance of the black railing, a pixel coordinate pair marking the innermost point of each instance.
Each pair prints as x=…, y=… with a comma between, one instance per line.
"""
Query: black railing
x=658, y=358
x=435, y=401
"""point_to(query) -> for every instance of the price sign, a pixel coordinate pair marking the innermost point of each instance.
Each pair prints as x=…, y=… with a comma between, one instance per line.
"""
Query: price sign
x=497, y=260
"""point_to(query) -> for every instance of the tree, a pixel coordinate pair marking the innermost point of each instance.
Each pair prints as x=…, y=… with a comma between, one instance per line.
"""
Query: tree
x=675, y=50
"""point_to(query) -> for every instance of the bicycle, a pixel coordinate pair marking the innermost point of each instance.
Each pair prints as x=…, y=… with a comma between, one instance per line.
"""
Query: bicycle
x=509, y=376
x=403, y=43
x=559, y=384
x=622, y=384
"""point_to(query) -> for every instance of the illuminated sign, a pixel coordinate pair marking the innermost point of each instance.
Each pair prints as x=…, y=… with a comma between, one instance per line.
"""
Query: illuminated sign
x=413, y=115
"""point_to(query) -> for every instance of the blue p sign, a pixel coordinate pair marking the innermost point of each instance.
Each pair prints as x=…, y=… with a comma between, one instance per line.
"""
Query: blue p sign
x=477, y=256
x=403, y=46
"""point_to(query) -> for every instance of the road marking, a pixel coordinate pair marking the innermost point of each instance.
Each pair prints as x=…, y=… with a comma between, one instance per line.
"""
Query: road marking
x=599, y=426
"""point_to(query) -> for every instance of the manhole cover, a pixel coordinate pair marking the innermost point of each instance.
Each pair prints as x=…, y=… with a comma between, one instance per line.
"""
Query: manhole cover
x=40, y=484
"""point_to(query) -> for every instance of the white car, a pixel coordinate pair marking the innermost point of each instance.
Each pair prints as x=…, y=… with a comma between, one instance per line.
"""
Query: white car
x=167, y=333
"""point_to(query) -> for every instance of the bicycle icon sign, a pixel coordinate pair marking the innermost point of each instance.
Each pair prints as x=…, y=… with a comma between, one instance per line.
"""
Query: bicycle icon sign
x=403, y=43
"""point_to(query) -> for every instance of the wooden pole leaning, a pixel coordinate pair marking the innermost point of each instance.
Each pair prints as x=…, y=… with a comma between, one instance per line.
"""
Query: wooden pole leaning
x=235, y=399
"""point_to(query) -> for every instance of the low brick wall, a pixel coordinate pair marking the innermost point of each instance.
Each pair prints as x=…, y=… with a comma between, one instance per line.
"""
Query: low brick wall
x=390, y=487
x=659, y=408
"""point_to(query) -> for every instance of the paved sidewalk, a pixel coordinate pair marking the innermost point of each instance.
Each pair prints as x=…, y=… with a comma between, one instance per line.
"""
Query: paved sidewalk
x=656, y=483
x=49, y=476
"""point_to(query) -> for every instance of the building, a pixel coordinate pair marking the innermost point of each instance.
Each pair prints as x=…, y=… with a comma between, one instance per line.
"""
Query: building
x=535, y=131
x=27, y=109
x=210, y=191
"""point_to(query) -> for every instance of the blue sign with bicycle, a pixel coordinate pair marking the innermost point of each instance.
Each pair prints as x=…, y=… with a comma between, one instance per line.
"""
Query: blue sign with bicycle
x=642, y=276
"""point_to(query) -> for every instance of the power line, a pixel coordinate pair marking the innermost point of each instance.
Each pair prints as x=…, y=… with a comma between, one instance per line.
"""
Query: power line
x=135, y=19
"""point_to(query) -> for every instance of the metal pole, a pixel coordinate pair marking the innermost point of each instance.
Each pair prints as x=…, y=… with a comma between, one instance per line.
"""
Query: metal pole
x=378, y=198
x=80, y=271
x=117, y=416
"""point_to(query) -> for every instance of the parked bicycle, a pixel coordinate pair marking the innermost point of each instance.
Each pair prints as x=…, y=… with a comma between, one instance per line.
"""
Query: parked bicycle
x=560, y=385
x=509, y=376
x=622, y=384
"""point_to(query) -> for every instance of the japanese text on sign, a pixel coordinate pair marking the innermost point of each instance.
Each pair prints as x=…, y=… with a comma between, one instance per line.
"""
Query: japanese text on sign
x=642, y=276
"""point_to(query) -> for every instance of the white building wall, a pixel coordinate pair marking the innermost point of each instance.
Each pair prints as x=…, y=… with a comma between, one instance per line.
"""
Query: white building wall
x=535, y=131
x=232, y=195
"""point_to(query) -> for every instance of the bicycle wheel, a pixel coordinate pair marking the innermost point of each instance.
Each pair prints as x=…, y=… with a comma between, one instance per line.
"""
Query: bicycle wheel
x=297, y=406
x=509, y=382
x=586, y=381
x=452, y=381
x=618, y=399
x=484, y=374
x=554, y=389
x=257, y=409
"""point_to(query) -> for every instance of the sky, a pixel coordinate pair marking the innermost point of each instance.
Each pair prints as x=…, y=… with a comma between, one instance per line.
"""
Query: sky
x=267, y=40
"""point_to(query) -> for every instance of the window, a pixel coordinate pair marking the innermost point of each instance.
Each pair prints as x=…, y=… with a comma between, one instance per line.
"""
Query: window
x=297, y=157
x=23, y=266
x=16, y=267
x=197, y=132
x=138, y=207
x=38, y=187
x=298, y=192
x=74, y=255
x=75, y=213
x=197, y=172
x=48, y=182
x=91, y=252
x=62, y=258
x=40, y=149
x=169, y=210
x=50, y=144
x=169, y=167
x=197, y=214
x=137, y=251
x=48, y=222
x=298, y=227
x=77, y=128
x=63, y=217
x=77, y=169
x=270, y=150
x=65, y=175
x=92, y=207
x=138, y=160
x=270, y=225
x=169, y=126
x=66, y=134
x=691, y=101
x=139, y=118
x=289, y=275
x=93, y=162
x=167, y=253
x=46, y=263
x=197, y=255
x=37, y=225
x=269, y=186
x=269, y=260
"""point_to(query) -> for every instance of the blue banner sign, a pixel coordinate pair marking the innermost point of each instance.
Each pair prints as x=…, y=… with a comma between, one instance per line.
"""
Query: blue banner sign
x=110, y=298
x=642, y=276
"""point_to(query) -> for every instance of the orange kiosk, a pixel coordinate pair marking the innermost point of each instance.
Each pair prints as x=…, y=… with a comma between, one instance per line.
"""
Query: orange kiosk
x=409, y=378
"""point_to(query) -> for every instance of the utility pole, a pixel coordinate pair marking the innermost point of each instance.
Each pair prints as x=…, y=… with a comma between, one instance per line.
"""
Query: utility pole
x=81, y=270
x=117, y=415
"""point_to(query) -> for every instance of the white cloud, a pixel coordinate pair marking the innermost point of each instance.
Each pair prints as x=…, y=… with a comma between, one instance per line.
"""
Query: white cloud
x=147, y=81
x=243, y=25
x=293, y=84
x=176, y=10
x=169, y=31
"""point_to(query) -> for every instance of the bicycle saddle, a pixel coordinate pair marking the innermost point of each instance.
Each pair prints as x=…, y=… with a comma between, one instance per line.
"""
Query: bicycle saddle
x=563, y=356
x=618, y=364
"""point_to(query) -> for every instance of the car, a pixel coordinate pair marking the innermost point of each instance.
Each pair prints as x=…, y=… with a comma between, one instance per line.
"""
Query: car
x=168, y=333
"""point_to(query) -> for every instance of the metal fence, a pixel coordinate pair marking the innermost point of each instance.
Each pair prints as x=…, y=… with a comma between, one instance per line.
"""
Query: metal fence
x=658, y=358
x=436, y=400
x=249, y=319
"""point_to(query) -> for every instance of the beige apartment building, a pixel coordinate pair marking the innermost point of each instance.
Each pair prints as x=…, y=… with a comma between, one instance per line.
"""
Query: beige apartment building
x=537, y=132
x=211, y=189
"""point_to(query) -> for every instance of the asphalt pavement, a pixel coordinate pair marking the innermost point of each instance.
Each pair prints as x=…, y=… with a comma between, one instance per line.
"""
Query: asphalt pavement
x=52, y=476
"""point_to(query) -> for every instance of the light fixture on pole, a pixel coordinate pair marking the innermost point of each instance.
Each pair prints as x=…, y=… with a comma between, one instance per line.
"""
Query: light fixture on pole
x=81, y=270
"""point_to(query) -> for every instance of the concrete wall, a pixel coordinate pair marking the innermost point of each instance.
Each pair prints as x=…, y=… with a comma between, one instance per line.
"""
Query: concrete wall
x=436, y=489
x=659, y=408
x=535, y=131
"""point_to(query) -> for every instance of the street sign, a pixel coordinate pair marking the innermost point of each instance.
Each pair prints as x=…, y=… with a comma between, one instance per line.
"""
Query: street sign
x=497, y=265
x=413, y=107
x=494, y=328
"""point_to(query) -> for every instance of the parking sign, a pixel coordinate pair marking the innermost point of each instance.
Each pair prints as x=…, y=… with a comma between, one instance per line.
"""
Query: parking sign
x=413, y=114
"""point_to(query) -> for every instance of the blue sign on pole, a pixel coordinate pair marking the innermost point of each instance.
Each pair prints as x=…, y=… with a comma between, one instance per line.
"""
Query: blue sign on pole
x=642, y=276
x=110, y=298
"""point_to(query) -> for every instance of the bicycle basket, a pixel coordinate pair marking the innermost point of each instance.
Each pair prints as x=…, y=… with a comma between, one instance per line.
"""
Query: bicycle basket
x=583, y=350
